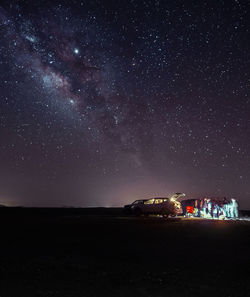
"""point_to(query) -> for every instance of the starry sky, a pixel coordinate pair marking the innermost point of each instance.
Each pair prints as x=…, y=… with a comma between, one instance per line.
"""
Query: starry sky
x=105, y=102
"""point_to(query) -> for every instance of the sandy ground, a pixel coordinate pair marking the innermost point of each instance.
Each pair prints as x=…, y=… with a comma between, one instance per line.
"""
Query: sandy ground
x=113, y=255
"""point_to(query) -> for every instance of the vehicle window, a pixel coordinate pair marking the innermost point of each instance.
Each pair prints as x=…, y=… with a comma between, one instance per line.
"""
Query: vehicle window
x=157, y=201
x=151, y=201
x=135, y=202
x=165, y=200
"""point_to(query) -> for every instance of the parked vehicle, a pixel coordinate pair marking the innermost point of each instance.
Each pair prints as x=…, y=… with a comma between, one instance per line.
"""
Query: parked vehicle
x=162, y=206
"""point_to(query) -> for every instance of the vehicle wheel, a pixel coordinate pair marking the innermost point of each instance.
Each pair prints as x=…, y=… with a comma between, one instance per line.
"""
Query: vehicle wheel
x=138, y=212
x=165, y=215
x=126, y=212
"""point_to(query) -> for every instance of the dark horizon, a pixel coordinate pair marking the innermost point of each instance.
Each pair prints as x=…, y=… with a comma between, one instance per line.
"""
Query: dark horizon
x=106, y=102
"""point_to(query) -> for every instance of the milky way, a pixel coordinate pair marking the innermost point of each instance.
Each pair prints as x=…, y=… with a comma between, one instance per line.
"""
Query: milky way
x=103, y=102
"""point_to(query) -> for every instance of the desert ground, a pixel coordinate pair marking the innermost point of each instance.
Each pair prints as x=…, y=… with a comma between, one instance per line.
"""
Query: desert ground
x=61, y=252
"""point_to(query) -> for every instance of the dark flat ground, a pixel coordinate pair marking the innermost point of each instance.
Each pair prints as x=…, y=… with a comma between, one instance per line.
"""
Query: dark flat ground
x=102, y=253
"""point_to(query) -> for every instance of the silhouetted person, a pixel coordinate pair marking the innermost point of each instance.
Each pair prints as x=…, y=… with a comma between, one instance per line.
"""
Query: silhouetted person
x=234, y=209
x=226, y=208
x=205, y=207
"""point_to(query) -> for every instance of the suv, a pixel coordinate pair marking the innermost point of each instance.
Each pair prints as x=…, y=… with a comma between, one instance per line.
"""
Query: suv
x=162, y=206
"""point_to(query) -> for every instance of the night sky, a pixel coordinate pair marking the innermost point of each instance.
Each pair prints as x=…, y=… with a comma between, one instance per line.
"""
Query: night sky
x=105, y=102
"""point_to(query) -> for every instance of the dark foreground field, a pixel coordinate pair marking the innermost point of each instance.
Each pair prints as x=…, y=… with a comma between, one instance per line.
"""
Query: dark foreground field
x=102, y=253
